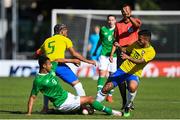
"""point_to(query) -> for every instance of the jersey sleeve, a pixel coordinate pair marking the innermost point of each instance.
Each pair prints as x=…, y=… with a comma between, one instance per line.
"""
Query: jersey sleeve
x=149, y=55
x=35, y=89
x=69, y=43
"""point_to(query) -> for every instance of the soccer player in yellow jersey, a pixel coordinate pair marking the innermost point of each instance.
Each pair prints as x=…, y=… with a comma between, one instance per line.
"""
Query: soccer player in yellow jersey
x=135, y=59
x=54, y=48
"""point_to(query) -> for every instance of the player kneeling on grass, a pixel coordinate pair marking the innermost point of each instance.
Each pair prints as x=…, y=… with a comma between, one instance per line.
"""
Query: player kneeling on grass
x=48, y=84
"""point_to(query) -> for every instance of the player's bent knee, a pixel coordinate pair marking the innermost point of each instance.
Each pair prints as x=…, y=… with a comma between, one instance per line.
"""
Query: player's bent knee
x=133, y=89
x=133, y=86
x=75, y=82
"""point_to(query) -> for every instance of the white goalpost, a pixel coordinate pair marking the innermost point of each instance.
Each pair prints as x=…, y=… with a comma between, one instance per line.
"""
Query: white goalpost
x=163, y=24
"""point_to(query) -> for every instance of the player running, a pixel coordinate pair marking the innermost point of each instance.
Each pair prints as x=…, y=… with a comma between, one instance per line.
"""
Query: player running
x=54, y=47
x=106, y=40
x=136, y=57
x=48, y=84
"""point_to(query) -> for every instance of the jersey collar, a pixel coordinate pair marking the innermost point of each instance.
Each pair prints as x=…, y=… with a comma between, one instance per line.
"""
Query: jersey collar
x=42, y=74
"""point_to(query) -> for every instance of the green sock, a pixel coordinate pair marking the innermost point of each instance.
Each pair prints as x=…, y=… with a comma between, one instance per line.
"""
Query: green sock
x=100, y=83
x=98, y=106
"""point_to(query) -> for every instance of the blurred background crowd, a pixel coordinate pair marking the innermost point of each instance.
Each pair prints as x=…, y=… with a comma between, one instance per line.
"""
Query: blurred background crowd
x=26, y=23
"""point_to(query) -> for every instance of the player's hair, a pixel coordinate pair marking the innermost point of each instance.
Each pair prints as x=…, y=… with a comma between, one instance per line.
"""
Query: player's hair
x=111, y=16
x=42, y=60
x=126, y=4
x=58, y=28
x=145, y=33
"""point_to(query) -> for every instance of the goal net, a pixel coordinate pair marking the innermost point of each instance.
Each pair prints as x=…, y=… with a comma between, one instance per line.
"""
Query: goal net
x=165, y=27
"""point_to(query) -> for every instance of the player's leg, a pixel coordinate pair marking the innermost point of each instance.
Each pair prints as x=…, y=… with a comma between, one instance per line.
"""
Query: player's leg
x=122, y=89
x=103, y=65
x=112, y=67
x=122, y=85
x=132, y=82
x=112, y=82
x=65, y=73
x=132, y=90
x=98, y=106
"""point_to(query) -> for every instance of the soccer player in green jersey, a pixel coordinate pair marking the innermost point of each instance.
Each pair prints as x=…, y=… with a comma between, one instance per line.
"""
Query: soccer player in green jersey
x=48, y=84
x=106, y=40
x=135, y=57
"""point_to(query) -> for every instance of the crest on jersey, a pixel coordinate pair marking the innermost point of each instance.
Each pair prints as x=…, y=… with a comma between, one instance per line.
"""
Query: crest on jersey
x=142, y=53
x=130, y=29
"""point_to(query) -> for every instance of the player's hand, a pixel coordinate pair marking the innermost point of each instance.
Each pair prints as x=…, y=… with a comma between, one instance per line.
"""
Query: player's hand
x=124, y=56
x=111, y=58
x=77, y=62
x=116, y=44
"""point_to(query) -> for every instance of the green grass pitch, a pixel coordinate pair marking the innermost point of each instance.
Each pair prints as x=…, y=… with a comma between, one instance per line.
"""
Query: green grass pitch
x=157, y=98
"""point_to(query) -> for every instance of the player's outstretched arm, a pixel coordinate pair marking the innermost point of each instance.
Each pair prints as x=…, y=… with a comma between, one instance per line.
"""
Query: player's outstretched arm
x=135, y=22
x=30, y=104
x=80, y=57
x=37, y=53
x=74, y=61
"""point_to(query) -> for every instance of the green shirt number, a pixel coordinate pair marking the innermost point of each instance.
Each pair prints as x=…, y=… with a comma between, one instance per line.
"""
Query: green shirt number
x=51, y=46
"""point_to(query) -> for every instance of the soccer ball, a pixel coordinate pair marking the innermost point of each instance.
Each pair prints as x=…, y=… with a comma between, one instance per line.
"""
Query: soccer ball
x=87, y=109
x=85, y=112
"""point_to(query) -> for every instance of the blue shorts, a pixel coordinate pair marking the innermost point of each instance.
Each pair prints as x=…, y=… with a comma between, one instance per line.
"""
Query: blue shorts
x=119, y=76
x=65, y=73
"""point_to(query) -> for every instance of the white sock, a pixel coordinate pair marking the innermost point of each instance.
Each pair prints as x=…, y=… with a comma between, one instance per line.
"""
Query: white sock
x=46, y=100
x=79, y=89
x=100, y=96
x=130, y=98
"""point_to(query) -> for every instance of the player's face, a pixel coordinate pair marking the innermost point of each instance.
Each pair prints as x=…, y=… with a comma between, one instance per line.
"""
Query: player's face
x=64, y=32
x=96, y=29
x=111, y=21
x=142, y=40
x=48, y=65
x=126, y=10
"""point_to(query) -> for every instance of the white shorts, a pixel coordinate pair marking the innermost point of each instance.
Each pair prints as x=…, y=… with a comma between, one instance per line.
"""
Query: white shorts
x=72, y=103
x=105, y=64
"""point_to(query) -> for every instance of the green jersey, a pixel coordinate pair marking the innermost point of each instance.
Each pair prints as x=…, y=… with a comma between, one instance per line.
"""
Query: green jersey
x=107, y=39
x=50, y=86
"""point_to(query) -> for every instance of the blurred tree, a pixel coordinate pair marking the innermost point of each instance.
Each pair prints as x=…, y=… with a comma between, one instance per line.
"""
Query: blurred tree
x=148, y=4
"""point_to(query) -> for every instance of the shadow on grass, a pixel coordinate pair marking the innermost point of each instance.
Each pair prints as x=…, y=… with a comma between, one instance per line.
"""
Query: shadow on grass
x=54, y=112
x=12, y=112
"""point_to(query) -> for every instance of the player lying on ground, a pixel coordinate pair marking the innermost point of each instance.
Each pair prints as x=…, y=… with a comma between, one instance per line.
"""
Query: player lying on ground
x=48, y=84
x=140, y=53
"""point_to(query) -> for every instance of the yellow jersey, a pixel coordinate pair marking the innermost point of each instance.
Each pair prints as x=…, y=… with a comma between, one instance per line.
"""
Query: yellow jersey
x=54, y=47
x=137, y=52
